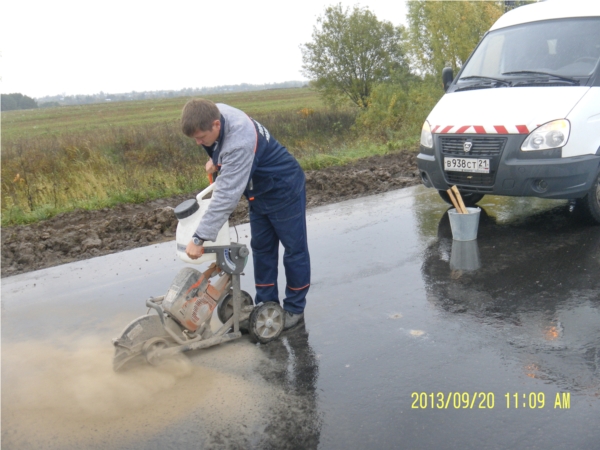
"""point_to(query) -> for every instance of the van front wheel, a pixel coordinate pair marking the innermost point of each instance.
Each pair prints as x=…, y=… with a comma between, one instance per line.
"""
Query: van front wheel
x=590, y=204
x=469, y=198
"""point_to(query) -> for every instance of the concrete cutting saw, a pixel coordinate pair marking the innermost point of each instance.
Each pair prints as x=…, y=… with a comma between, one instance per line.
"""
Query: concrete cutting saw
x=180, y=320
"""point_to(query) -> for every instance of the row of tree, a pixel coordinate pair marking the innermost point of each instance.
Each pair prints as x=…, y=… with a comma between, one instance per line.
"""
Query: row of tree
x=19, y=101
x=56, y=100
x=11, y=102
x=352, y=51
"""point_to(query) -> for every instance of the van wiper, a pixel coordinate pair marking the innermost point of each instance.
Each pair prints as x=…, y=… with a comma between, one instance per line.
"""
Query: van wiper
x=493, y=82
x=552, y=75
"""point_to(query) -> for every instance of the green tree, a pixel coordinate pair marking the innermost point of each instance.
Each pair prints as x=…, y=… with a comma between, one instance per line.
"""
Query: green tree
x=351, y=51
x=440, y=34
x=17, y=101
x=443, y=34
x=9, y=103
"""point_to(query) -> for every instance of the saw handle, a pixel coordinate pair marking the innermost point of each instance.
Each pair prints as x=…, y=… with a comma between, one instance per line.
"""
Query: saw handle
x=153, y=302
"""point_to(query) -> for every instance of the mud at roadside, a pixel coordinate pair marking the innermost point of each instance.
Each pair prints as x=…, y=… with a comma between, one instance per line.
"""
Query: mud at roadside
x=79, y=235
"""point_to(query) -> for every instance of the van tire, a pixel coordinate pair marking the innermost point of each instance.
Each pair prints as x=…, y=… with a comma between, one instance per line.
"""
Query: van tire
x=590, y=204
x=469, y=198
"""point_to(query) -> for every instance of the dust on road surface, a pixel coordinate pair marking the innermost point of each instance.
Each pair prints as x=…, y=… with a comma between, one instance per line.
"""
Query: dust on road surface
x=64, y=394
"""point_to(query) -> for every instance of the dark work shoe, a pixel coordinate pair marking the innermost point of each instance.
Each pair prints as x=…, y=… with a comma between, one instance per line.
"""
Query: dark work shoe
x=292, y=319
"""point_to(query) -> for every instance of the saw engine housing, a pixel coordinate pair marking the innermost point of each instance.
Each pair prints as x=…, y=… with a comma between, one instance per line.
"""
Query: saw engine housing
x=191, y=298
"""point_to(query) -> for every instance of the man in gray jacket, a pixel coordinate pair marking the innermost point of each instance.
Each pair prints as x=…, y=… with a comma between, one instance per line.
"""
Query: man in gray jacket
x=251, y=162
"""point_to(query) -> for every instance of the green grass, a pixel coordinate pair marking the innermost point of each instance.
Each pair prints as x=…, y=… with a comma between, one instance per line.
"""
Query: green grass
x=100, y=155
x=345, y=154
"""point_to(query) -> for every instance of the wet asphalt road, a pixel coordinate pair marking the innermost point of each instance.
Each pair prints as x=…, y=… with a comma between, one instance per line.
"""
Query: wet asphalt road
x=411, y=340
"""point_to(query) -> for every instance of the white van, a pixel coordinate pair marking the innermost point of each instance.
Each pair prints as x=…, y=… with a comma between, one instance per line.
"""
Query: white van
x=522, y=117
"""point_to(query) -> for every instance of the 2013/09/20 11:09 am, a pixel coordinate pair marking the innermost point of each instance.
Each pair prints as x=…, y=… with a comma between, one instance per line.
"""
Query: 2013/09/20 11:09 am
x=487, y=400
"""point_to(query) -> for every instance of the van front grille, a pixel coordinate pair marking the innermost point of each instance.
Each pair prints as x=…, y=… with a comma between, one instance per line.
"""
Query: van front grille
x=481, y=145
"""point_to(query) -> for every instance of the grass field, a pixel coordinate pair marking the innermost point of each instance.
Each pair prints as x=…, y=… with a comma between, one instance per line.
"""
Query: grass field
x=96, y=117
x=100, y=155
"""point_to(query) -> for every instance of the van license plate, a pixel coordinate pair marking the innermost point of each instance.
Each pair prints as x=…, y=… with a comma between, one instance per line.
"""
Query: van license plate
x=476, y=165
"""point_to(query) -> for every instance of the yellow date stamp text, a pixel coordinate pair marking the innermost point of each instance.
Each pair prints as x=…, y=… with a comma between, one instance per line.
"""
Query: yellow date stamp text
x=487, y=400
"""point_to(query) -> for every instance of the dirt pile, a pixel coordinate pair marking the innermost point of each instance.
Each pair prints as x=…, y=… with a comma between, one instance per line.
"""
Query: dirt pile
x=80, y=235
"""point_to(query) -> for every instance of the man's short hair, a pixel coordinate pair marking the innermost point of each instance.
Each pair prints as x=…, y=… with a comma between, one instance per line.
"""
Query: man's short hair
x=198, y=114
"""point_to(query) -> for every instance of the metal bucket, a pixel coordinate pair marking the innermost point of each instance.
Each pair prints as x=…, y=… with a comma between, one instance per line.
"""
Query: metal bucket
x=464, y=226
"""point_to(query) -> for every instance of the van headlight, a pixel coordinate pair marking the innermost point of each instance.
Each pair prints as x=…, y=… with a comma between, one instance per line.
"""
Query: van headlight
x=426, y=136
x=553, y=134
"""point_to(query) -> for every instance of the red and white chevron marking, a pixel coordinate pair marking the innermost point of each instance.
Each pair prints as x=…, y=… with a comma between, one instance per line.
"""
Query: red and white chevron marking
x=482, y=129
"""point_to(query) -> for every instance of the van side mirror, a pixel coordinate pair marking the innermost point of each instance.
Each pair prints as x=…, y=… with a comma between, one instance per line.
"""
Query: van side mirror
x=447, y=77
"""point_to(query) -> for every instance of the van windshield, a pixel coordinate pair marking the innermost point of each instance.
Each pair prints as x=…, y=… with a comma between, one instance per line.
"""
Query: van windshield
x=564, y=51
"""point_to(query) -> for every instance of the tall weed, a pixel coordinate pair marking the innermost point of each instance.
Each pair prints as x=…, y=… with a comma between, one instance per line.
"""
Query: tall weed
x=44, y=175
x=69, y=168
x=395, y=115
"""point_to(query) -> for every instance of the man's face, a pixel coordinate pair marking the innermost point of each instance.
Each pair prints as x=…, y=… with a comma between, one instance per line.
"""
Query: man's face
x=208, y=138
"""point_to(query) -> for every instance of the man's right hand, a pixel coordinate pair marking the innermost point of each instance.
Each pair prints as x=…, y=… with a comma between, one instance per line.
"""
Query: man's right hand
x=194, y=251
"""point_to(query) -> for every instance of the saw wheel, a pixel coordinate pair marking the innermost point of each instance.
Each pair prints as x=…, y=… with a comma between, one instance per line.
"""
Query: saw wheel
x=225, y=309
x=266, y=322
x=129, y=347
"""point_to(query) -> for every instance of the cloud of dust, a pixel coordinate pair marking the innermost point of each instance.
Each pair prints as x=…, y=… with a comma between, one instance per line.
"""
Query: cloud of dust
x=66, y=392
x=77, y=380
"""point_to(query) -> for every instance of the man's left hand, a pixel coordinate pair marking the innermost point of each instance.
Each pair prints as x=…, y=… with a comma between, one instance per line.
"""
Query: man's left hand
x=210, y=167
x=194, y=251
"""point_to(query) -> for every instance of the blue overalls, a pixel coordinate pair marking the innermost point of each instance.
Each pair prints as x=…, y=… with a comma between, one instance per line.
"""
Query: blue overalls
x=276, y=194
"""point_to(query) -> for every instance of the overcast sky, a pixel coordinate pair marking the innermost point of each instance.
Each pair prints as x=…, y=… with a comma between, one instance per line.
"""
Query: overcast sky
x=76, y=47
